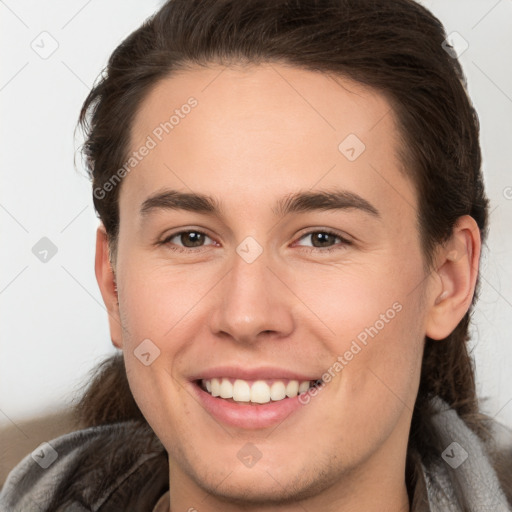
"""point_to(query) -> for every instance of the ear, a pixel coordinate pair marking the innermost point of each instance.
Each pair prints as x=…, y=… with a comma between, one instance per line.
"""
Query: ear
x=107, y=282
x=457, y=272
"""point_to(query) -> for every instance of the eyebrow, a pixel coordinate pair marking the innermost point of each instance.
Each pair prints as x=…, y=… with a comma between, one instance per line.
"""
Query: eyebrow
x=297, y=202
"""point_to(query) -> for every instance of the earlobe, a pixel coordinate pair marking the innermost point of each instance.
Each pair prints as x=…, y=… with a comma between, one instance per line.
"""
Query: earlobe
x=106, y=279
x=456, y=275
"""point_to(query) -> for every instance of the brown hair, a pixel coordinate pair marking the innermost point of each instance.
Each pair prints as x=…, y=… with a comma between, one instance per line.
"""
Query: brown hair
x=394, y=46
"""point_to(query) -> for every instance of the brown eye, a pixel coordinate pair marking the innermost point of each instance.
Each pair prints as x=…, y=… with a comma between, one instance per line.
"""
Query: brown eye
x=184, y=240
x=324, y=239
x=191, y=238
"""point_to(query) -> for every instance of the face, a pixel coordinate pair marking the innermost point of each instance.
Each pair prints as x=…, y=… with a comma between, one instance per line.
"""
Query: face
x=257, y=283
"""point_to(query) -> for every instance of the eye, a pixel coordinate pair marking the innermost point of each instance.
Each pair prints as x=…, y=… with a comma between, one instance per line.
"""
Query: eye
x=190, y=239
x=193, y=240
x=324, y=238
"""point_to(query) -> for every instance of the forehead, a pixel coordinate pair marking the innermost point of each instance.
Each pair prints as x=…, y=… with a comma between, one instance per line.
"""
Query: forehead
x=265, y=128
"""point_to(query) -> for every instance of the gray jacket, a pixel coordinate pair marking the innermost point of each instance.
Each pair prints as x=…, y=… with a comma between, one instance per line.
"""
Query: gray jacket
x=124, y=467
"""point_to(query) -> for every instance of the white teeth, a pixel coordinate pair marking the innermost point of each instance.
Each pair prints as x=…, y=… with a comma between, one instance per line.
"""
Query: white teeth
x=292, y=388
x=260, y=392
x=255, y=391
x=215, y=387
x=241, y=391
x=277, y=391
x=226, y=389
x=303, y=386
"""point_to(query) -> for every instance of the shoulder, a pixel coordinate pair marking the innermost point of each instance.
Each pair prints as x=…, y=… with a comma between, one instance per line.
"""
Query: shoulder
x=99, y=468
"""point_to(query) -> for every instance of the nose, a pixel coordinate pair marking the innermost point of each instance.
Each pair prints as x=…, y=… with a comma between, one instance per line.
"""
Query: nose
x=253, y=302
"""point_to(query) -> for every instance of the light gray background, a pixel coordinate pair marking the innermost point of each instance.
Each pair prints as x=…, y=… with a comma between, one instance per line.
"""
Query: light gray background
x=53, y=326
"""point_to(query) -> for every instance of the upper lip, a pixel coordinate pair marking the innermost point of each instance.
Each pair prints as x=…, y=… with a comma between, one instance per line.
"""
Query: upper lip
x=258, y=373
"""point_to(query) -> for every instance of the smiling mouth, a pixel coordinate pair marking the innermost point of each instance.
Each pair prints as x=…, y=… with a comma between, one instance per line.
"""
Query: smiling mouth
x=255, y=391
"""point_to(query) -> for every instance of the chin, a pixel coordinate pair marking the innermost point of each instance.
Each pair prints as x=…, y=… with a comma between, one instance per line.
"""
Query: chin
x=261, y=488
x=263, y=484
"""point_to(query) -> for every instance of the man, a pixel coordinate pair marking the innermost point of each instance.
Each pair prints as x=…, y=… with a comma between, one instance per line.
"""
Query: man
x=288, y=256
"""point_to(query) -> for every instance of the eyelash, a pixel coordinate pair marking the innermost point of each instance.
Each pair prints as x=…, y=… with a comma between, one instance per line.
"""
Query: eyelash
x=344, y=241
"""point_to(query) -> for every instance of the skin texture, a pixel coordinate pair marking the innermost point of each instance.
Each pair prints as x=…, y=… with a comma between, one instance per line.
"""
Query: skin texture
x=258, y=134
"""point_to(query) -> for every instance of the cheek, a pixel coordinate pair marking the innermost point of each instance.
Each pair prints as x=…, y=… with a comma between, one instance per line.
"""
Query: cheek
x=155, y=302
x=375, y=333
x=383, y=375
x=154, y=391
x=355, y=304
x=158, y=318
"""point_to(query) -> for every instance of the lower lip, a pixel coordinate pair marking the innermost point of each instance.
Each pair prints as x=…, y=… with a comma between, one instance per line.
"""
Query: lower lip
x=244, y=415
